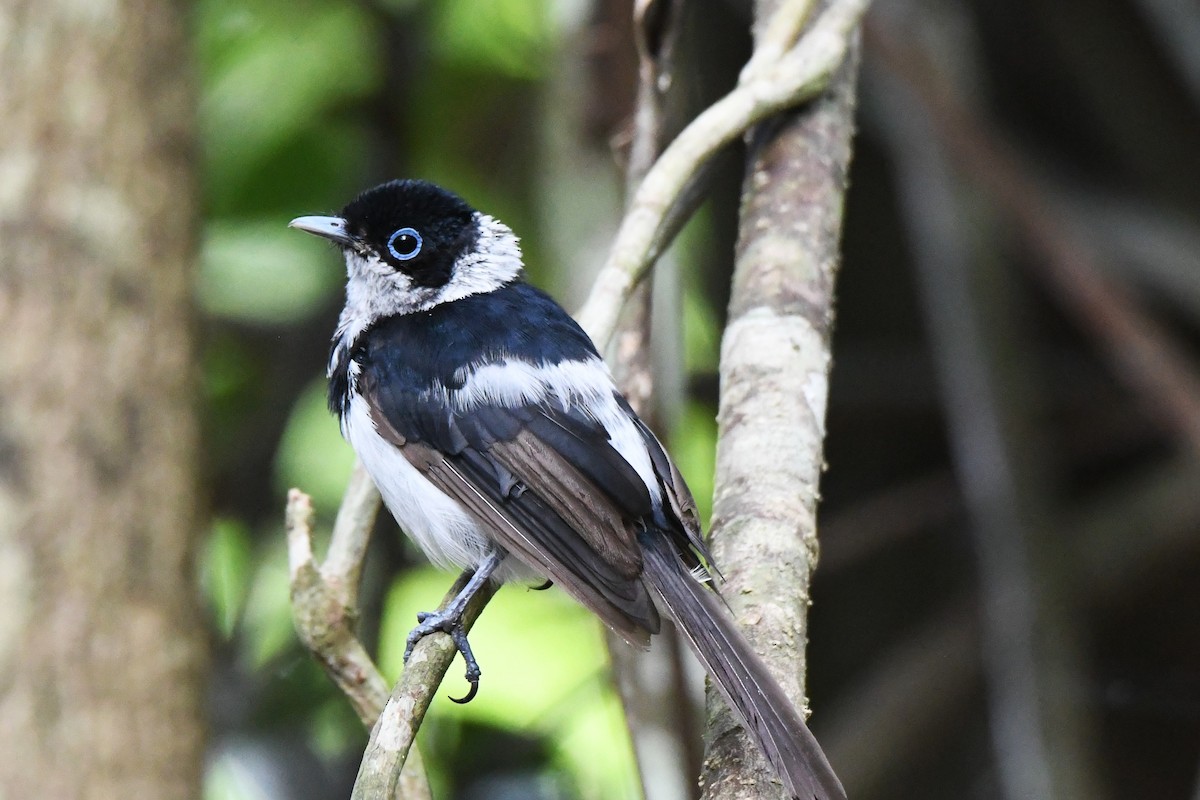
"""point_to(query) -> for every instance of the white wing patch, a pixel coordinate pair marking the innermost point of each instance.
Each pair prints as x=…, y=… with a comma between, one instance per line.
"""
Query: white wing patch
x=585, y=385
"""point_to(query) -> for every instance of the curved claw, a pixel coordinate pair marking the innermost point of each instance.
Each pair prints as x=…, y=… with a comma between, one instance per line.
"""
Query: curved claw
x=462, y=701
x=543, y=587
x=435, y=621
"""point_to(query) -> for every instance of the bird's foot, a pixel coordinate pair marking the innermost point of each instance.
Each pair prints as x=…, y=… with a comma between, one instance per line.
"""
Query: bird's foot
x=450, y=620
x=447, y=622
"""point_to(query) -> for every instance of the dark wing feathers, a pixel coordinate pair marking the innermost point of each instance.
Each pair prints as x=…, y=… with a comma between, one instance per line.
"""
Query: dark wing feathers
x=609, y=533
x=513, y=468
x=530, y=530
x=679, y=497
x=550, y=488
x=581, y=441
x=742, y=677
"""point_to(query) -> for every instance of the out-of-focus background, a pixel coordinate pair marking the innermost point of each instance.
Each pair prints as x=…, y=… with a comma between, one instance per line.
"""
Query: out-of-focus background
x=1006, y=604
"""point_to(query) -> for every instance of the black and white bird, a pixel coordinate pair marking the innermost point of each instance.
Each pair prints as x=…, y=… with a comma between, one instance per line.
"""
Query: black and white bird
x=500, y=443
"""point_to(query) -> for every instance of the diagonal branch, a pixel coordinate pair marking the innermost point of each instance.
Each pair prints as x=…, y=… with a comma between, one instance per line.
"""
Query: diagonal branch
x=324, y=596
x=798, y=74
x=660, y=715
x=392, y=737
x=325, y=607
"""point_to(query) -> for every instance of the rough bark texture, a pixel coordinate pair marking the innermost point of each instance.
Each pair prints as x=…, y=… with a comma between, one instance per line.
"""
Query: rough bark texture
x=101, y=652
x=774, y=383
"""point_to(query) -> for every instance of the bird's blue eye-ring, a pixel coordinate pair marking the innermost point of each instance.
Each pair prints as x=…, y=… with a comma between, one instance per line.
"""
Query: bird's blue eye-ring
x=404, y=244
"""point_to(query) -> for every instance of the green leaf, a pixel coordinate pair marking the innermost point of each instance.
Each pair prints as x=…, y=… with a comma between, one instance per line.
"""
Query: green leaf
x=262, y=272
x=694, y=448
x=225, y=572
x=228, y=777
x=270, y=68
x=312, y=454
x=701, y=336
x=267, y=621
x=594, y=746
x=514, y=37
x=334, y=729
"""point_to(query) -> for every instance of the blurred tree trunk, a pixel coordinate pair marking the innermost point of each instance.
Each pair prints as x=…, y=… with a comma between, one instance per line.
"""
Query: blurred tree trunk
x=102, y=656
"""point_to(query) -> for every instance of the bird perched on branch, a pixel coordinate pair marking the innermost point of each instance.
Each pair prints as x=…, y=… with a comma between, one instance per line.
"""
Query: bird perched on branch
x=499, y=442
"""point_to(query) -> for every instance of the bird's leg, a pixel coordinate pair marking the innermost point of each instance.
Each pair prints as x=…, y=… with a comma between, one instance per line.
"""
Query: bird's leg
x=450, y=620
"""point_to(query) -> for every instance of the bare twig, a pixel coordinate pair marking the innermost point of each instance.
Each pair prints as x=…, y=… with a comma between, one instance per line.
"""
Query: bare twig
x=916, y=695
x=1145, y=244
x=325, y=607
x=1177, y=24
x=776, y=31
x=659, y=713
x=394, y=733
x=351, y=534
x=1127, y=533
x=1041, y=738
x=876, y=522
x=773, y=85
x=1135, y=527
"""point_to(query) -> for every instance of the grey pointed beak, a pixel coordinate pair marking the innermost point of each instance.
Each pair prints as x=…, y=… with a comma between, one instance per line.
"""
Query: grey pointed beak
x=332, y=228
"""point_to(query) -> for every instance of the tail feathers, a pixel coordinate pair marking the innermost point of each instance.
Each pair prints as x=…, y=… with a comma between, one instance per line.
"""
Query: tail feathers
x=742, y=677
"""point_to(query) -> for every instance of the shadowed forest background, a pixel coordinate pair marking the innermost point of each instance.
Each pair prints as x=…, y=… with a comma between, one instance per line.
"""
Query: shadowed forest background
x=1010, y=518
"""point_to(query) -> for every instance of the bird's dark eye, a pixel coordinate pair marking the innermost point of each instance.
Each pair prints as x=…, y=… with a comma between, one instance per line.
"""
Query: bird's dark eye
x=404, y=244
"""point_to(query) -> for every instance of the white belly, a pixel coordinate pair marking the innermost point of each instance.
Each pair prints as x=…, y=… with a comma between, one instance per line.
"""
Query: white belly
x=447, y=534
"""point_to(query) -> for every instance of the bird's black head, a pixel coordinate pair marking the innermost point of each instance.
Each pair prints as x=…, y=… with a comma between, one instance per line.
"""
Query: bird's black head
x=411, y=245
x=416, y=227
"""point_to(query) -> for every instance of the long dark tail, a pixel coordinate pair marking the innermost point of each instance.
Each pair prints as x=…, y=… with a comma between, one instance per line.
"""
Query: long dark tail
x=741, y=676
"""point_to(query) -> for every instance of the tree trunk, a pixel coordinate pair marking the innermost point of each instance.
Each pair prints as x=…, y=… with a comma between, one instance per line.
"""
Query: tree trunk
x=102, y=655
x=775, y=358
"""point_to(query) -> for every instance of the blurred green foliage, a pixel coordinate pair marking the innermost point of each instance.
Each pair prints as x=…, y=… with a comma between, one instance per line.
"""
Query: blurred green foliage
x=304, y=104
x=313, y=453
x=258, y=272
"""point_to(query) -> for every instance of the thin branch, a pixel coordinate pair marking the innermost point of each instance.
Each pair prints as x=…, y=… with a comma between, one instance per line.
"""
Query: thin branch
x=774, y=85
x=653, y=688
x=1126, y=533
x=1177, y=24
x=324, y=616
x=1042, y=739
x=394, y=733
x=776, y=32
x=1145, y=244
x=1133, y=528
x=352, y=533
x=1040, y=745
x=908, y=704
x=325, y=607
x=879, y=521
